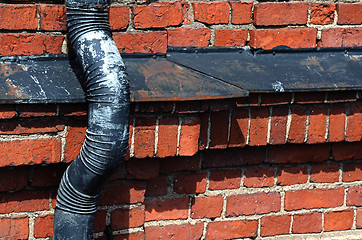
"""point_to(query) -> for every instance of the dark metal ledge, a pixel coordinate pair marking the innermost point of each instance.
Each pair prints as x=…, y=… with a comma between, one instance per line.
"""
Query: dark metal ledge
x=188, y=74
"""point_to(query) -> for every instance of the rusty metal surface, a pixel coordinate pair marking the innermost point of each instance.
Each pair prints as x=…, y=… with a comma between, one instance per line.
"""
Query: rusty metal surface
x=278, y=70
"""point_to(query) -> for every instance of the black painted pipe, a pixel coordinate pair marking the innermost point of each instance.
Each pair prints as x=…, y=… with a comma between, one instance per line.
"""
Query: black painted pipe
x=106, y=139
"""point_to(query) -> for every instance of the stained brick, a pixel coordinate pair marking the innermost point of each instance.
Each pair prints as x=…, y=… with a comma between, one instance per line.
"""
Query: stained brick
x=176, y=232
x=354, y=196
x=231, y=229
x=307, y=223
x=187, y=183
x=13, y=179
x=144, y=137
x=189, y=37
x=317, y=125
x=322, y=14
x=207, y=207
x=337, y=221
x=189, y=136
x=211, y=12
x=43, y=226
x=167, y=209
x=352, y=172
x=341, y=37
x=241, y=12
x=239, y=128
x=52, y=17
x=18, y=17
x=292, y=175
x=228, y=179
x=275, y=225
x=118, y=17
x=258, y=126
x=219, y=129
x=14, y=228
x=259, y=177
x=24, y=201
x=127, y=218
x=349, y=13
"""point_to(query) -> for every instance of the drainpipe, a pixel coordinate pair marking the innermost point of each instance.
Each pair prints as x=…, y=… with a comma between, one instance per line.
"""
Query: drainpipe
x=106, y=138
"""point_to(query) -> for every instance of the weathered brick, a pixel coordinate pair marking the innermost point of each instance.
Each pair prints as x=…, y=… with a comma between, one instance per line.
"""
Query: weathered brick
x=337, y=118
x=322, y=14
x=166, y=209
x=352, y=172
x=253, y=204
x=349, y=13
x=74, y=140
x=30, y=44
x=118, y=17
x=37, y=110
x=43, y=226
x=259, y=177
x=354, y=122
x=354, y=196
x=231, y=229
x=307, y=223
x=18, y=17
x=6, y=111
x=13, y=179
x=14, y=227
x=281, y=13
x=70, y=110
x=178, y=164
x=175, y=232
x=207, y=207
x=316, y=198
x=158, y=15
x=167, y=137
x=144, y=137
x=211, y=12
x=24, y=201
x=128, y=218
x=228, y=179
x=325, y=173
x=241, y=12
x=239, y=128
x=32, y=151
x=219, y=129
x=157, y=186
x=52, y=17
x=141, y=42
x=278, y=125
x=293, y=38
x=337, y=221
x=258, y=126
x=187, y=183
x=123, y=192
x=146, y=168
x=230, y=37
x=188, y=37
x=341, y=37
x=275, y=225
x=30, y=126
x=292, y=175
x=317, y=125
x=189, y=136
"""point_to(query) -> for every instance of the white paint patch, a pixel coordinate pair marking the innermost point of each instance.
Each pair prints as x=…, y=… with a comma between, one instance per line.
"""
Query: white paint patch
x=278, y=86
x=37, y=82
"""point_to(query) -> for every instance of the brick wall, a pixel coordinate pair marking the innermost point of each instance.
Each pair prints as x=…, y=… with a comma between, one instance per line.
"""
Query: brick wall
x=282, y=164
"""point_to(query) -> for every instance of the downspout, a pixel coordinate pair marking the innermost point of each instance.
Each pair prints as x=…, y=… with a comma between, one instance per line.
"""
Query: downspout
x=106, y=138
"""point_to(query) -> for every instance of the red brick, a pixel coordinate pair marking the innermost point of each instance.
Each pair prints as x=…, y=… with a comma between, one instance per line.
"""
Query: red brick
x=298, y=153
x=13, y=179
x=232, y=157
x=18, y=17
x=228, y=179
x=354, y=123
x=341, y=37
x=178, y=164
x=43, y=226
x=189, y=136
x=354, y=196
x=30, y=44
x=239, y=128
x=70, y=110
x=29, y=126
x=231, y=229
x=37, y=110
x=167, y=137
x=258, y=126
x=230, y=37
x=52, y=17
x=241, y=12
x=352, y=172
x=310, y=97
x=292, y=175
x=157, y=187
x=275, y=225
x=123, y=192
x=259, y=177
x=298, y=124
x=322, y=14
x=316, y=198
x=144, y=137
x=278, y=125
x=188, y=37
x=349, y=13
x=14, y=228
x=6, y=111
x=118, y=17
x=47, y=176
x=32, y=151
x=175, y=232
x=211, y=12
x=187, y=183
x=347, y=151
x=207, y=207
x=74, y=140
x=307, y=223
x=337, y=221
x=130, y=236
x=281, y=13
x=219, y=129
x=158, y=15
x=24, y=201
x=325, y=173
x=100, y=221
x=167, y=209
x=204, y=128
x=146, y=168
x=141, y=42
x=317, y=125
x=128, y=218
x=359, y=218
x=337, y=117
x=258, y=203
x=293, y=38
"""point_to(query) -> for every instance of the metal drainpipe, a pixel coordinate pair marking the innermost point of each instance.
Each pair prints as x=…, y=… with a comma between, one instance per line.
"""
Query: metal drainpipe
x=106, y=138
